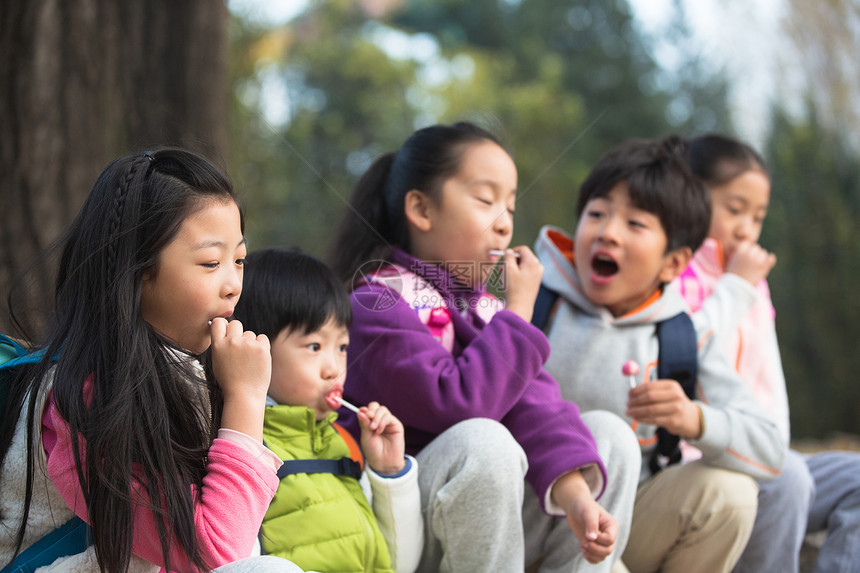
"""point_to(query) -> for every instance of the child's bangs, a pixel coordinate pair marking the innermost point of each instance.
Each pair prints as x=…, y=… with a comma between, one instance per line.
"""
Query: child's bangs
x=646, y=188
x=318, y=309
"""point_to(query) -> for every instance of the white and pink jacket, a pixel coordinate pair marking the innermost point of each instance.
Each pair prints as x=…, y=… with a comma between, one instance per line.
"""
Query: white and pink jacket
x=241, y=480
x=742, y=316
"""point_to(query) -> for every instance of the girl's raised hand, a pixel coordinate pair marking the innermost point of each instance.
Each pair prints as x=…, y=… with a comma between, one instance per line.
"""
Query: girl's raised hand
x=382, y=439
x=522, y=281
x=242, y=364
x=751, y=262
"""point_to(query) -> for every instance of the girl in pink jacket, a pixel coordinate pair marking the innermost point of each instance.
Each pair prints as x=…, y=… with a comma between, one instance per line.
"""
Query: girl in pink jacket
x=145, y=416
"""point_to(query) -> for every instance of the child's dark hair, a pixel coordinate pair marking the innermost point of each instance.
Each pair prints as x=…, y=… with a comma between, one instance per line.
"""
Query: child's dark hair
x=659, y=182
x=717, y=159
x=375, y=221
x=125, y=391
x=286, y=288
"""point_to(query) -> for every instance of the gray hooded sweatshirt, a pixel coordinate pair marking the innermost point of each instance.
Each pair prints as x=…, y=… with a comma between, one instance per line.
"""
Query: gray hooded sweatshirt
x=589, y=347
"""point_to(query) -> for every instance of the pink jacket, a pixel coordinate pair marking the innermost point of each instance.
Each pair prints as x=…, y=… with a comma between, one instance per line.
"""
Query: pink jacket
x=240, y=482
x=743, y=316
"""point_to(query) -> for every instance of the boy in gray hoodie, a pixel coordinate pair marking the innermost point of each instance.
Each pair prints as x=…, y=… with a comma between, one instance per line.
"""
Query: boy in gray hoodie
x=641, y=215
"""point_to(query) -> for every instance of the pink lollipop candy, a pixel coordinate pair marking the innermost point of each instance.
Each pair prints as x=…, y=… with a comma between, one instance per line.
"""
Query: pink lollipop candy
x=631, y=369
x=333, y=398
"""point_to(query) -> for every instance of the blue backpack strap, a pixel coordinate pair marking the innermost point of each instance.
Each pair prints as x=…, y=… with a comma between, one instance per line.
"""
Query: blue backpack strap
x=71, y=538
x=9, y=349
x=344, y=466
x=678, y=359
x=544, y=304
x=12, y=354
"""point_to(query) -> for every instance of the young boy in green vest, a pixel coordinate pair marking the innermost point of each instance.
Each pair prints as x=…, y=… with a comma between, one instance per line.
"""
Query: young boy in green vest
x=321, y=516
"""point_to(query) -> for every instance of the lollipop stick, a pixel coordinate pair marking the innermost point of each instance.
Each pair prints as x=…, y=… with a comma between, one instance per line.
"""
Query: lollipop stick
x=501, y=253
x=347, y=405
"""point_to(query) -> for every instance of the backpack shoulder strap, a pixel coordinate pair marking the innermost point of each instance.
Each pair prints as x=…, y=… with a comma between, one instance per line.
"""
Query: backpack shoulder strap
x=71, y=538
x=10, y=351
x=343, y=466
x=677, y=359
x=544, y=303
x=13, y=354
x=355, y=452
x=351, y=466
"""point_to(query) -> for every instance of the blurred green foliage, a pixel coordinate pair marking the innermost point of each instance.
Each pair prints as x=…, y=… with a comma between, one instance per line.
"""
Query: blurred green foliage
x=812, y=226
x=558, y=82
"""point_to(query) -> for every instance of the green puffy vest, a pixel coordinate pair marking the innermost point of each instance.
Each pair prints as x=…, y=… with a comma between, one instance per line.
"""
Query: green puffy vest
x=321, y=522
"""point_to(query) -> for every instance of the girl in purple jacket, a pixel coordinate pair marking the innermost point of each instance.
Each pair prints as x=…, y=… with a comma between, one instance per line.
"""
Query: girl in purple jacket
x=428, y=228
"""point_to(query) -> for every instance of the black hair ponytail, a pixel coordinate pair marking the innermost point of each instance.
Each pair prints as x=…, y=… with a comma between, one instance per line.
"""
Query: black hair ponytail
x=367, y=230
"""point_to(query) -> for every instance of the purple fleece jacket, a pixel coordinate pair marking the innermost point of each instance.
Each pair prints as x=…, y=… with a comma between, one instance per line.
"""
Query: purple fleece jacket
x=494, y=371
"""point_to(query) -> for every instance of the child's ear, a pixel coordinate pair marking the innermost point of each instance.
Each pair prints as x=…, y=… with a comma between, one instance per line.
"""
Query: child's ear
x=417, y=210
x=674, y=263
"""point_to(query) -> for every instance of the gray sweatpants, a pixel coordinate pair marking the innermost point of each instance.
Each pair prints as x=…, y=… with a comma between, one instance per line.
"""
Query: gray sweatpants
x=476, y=503
x=780, y=523
x=814, y=492
x=836, y=507
x=260, y=564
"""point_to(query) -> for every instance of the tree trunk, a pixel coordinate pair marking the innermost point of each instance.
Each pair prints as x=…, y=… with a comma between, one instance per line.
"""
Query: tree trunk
x=81, y=83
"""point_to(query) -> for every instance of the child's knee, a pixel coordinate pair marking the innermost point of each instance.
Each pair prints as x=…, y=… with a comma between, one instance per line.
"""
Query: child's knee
x=474, y=464
x=478, y=447
x=800, y=474
x=260, y=564
x=794, y=485
x=489, y=445
x=701, y=491
x=726, y=492
x=614, y=437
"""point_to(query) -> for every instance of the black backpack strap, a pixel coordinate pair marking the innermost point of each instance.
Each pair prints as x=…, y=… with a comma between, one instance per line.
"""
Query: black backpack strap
x=344, y=466
x=677, y=360
x=544, y=304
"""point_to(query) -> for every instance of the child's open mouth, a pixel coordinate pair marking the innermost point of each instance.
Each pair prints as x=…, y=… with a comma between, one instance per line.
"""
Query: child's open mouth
x=334, y=397
x=604, y=266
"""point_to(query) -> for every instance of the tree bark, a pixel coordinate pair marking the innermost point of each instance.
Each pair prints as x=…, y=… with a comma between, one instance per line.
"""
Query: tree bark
x=81, y=83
